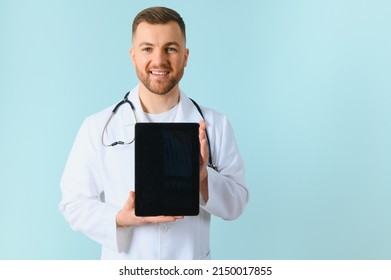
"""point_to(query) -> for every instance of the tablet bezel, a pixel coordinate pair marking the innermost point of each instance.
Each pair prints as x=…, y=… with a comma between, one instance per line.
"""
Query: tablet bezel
x=149, y=159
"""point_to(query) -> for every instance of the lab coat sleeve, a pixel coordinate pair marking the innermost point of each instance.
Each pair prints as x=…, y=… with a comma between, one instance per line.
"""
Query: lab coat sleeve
x=81, y=204
x=228, y=194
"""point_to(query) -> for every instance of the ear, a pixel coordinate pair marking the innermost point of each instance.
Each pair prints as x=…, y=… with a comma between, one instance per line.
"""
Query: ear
x=186, y=57
x=132, y=56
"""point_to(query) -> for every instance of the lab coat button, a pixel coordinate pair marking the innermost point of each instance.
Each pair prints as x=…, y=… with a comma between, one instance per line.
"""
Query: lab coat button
x=163, y=228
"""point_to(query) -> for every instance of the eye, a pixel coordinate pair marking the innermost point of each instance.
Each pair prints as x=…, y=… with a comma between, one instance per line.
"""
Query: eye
x=146, y=49
x=171, y=50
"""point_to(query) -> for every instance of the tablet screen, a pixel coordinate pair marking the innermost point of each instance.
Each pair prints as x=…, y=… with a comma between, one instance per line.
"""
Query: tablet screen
x=166, y=169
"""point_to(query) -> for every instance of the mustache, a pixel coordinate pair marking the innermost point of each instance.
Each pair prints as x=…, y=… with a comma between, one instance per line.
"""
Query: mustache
x=165, y=67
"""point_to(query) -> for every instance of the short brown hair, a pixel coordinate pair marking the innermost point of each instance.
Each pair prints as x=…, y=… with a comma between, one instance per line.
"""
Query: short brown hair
x=158, y=15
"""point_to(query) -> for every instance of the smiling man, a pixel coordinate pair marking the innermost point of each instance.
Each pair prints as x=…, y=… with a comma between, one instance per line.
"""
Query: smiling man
x=98, y=181
x=159, y=56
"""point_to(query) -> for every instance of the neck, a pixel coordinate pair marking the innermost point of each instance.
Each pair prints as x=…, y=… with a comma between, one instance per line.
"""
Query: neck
x=153, y=103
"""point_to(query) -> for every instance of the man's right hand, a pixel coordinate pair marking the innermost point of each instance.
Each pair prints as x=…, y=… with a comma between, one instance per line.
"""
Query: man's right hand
x=127, y=217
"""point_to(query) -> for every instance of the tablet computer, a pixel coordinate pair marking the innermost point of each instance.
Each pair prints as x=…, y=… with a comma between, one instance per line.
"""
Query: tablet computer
x=167, y=169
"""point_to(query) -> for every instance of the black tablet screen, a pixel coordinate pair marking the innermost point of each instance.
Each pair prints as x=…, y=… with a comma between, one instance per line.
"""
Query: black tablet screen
x=166, y=169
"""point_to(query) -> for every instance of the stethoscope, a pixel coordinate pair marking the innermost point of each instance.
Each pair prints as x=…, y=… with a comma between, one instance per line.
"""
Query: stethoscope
x=125, y=100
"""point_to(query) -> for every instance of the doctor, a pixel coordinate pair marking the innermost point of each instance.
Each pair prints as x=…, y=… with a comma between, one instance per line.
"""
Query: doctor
x=98, y=181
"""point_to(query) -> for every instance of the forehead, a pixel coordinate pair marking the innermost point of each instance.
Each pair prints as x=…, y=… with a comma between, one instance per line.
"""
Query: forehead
x=158, y=33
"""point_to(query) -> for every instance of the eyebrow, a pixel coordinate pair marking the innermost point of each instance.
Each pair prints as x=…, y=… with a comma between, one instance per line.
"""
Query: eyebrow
x=145, y=44
x=173, y=43
x=166, y=44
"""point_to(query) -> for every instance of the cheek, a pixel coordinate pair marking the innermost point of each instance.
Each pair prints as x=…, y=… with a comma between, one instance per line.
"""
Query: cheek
x=140, y=62
x=180, y=63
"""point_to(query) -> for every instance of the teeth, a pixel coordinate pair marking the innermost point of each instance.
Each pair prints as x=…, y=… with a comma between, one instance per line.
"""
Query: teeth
x=158, y=73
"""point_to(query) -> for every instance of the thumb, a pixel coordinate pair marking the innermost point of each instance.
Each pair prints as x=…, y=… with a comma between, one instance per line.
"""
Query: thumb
x=130, y=202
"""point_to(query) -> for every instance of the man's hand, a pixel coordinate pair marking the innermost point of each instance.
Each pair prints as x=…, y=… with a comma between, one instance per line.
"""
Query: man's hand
x=126, y=216
x=204, y=156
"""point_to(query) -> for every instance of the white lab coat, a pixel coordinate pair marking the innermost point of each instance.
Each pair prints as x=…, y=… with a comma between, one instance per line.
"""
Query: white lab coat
x=94, y=171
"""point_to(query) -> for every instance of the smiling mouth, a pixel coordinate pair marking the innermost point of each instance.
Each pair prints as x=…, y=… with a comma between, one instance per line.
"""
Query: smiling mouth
x=159, y=73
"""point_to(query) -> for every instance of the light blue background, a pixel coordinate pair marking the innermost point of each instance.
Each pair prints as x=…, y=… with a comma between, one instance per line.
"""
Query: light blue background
x=306, y=85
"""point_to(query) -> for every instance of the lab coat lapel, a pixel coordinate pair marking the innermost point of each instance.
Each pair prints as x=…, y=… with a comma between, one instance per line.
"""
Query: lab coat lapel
x=187, y=112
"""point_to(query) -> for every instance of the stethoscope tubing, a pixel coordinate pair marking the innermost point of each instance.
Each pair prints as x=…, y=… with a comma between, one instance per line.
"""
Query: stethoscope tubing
x=126, y=100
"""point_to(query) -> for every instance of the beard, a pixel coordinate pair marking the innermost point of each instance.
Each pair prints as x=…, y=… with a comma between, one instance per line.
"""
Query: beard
x=156, y=86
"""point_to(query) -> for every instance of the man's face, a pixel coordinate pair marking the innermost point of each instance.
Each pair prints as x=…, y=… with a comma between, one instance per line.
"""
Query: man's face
x=159, y=56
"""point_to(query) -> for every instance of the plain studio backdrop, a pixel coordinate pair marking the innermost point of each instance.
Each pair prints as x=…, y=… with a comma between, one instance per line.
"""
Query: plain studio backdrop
x=305, y=84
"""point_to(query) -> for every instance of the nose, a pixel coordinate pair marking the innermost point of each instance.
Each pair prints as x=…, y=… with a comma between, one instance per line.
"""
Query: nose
x=160, y=57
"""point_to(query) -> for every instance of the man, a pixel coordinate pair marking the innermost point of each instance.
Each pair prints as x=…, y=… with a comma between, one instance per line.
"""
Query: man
x=98, y=181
